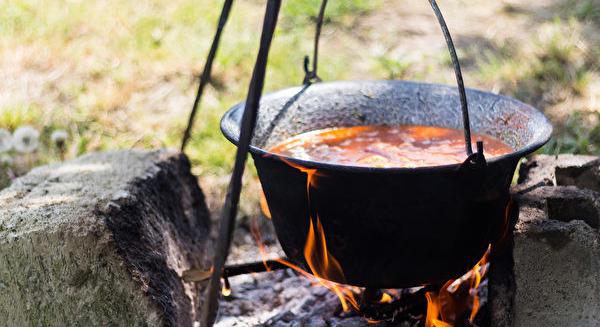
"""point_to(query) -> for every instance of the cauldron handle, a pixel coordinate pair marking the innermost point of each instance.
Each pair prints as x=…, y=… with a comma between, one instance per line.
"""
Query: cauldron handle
x=311, y=76
x=458, y=73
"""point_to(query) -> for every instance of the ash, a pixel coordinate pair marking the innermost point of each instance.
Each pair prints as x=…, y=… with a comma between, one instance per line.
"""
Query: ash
x=281, y=299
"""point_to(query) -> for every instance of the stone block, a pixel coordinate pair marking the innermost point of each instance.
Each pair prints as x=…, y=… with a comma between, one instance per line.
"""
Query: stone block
x=584, y=176
x=541, y=169
x=101, y=241
x=549, y=272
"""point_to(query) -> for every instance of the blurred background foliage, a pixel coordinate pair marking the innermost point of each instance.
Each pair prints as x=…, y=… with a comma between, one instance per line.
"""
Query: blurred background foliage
x=121, y=74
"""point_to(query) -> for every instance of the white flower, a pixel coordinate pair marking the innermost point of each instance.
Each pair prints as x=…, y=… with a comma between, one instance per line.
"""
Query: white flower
x=6, y=160
x=26, y=139
x=157, y=34
x=59, y=137
x=6, y=141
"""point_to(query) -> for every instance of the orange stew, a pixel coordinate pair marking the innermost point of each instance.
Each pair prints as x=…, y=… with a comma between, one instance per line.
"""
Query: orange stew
x=386, y=146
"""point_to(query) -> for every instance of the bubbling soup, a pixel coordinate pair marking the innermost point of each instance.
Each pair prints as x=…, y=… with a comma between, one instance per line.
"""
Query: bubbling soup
x=386, y=146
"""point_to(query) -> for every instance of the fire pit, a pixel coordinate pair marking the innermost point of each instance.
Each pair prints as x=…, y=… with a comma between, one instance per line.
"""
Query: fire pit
x=364, y=225
x=387, y=227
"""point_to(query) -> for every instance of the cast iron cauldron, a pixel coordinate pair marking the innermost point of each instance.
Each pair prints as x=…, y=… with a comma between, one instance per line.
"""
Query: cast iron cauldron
x=390, y=227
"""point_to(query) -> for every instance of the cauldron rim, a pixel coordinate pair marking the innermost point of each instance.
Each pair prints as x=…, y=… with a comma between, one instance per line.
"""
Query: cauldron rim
x=515, y=155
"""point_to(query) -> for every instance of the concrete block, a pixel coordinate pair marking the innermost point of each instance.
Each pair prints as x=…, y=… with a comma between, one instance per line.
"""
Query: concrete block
x=101, y=241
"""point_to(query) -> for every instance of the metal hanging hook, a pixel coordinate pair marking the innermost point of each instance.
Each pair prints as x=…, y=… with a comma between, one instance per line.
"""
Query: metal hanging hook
x=458, y=73
x=311, y=76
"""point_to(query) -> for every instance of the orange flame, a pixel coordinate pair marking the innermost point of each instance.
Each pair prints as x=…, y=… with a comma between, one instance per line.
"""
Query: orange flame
x=453, y=299
x=226, y=288
x=226, y=291
x=264, y=205
x=325, y=267
x=311, y=174
x=320, y=261
x=478, y=273
x=322, y=264
x=386, y=298
x=344, y=293
x=443, y=307
x=433, y=312
x=264, y=255
x=255, y=231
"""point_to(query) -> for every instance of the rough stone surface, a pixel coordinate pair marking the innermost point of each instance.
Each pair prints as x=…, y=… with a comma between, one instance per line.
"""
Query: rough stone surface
x=555, y=250
x=586, y=176
x=542, y=169
x=101, y=241
x=564, y=203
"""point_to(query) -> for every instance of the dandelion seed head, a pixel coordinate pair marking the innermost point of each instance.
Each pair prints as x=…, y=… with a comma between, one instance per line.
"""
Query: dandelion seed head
x=6, y=140
x=26, y=139
x=6, y=160
x=59, y=136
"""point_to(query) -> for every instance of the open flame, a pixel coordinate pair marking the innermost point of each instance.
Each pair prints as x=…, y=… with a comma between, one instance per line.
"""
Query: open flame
x=264, y=206
x=226, y=291
x=444, y=307
x=457, y=297
x=434, y=311
x=322, y=264
x=386, y=298
x=325, y=267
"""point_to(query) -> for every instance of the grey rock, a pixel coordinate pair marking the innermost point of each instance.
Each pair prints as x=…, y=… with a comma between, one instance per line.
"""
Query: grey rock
x=564, y=203
x=585, y=176
x=101, y=241
x=548, y=271
x=557, y=274
x=541, y=169
x=569, y=203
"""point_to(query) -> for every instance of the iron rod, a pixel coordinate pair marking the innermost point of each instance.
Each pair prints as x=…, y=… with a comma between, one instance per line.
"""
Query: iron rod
x=254, y=267
x=309, y=76
x=206, y=73
x=198, y=275
x=458, y=73
x=232, y=198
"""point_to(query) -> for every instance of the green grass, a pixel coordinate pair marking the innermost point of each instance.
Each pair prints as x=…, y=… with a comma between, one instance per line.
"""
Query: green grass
x=114, y=58
x=555, y=69
x=580, y=134
x=341, y=12
x=119, y=48
x=585, y=10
